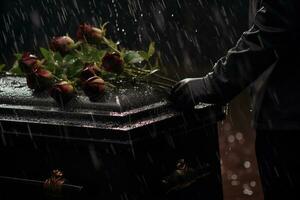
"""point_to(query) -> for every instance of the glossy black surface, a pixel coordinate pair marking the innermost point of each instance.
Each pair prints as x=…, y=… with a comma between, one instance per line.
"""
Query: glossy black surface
x=112, y=149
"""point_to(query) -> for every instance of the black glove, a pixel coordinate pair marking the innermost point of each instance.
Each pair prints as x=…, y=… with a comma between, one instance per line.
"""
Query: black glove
x=187, y=93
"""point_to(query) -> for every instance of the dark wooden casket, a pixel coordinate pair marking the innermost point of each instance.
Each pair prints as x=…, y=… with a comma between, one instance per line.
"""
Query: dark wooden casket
x=129, y=145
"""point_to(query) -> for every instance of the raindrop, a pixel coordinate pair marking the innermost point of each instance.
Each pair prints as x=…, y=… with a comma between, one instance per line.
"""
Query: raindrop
x=239, y=136
x=2, y=135
x=231, y=138
x=235, y=183
x=94, y=157
x=247, y=164
x=234, y=177
x=253, y=183
x=248, y=192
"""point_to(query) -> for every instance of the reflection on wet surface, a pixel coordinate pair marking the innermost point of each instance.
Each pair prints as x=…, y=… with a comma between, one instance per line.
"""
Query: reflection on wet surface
x=239, y=168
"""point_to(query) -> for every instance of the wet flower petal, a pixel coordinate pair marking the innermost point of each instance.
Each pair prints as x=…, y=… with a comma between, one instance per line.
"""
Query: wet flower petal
x=89, y=33
x=40, y=79
x=62, y=92
x=94, y=87
x=62, y=44
x=89, y=71
x=112, y=62
x=29, y=62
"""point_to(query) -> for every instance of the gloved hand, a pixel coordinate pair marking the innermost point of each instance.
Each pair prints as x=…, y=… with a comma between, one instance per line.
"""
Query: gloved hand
x=187, y=93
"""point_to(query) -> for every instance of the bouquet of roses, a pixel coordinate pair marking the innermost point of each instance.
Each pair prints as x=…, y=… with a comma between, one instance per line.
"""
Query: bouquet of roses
x=93, y=64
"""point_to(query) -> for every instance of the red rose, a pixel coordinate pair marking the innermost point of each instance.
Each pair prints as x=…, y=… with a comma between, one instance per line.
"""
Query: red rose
x=62, y=44
x=62, y=92
x=94, y=87
x=112, y=62
x=89, y=33
x=39, y=79
x=29, y=63
x=53, y=185
x=89, y=71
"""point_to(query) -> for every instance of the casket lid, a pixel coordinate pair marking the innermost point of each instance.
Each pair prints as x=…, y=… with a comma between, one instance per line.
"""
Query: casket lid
x=121, y=110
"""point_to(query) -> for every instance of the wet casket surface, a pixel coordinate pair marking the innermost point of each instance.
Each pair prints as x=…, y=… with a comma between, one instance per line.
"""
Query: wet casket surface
x=131, y=144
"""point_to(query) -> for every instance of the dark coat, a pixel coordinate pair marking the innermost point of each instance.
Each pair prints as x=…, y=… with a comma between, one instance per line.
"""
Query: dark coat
x=268, y=51
x=266, y=59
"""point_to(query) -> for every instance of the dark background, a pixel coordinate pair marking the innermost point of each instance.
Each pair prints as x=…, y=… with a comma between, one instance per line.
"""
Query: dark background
x=190, y=34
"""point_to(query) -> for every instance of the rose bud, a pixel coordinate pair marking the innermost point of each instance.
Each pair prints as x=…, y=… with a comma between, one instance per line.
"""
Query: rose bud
x=94, y=87
x=89, y=71
x=29, y=63
x=62, y=44
x=62, y=92
x=112, y=62
x=89, y=33
x=40, y=79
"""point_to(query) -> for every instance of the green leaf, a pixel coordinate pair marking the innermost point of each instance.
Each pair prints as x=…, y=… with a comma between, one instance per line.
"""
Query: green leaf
x=16, y=70
x=147, y=55
x=59, y=72
x=101, y=54
x=58, y=58
x=111, y=44
x=90, y=54
x=95, y=55
x=74, y=70
x=144, y=55
x=151, y=49
x=18, y=56
x=70, y=59
x=50, y=66
x=133, y=57
x=48, y=55
x=2, y=67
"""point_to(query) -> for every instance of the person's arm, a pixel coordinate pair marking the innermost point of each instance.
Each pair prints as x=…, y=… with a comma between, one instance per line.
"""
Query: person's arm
x=253, y=54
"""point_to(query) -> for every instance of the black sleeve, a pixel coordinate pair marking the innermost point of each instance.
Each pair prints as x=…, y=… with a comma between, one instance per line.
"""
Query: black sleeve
x=274, y=28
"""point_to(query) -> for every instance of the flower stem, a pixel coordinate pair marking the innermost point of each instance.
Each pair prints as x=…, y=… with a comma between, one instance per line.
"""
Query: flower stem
x=109, y=44
x=56, y=78
x=157, y=83
x=164, y=78
x=77, y=44
x=110, y=85
x=161, y=84
x=156, y=75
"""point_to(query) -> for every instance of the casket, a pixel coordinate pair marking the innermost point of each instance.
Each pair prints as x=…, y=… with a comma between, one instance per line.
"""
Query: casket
x=131, y=144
